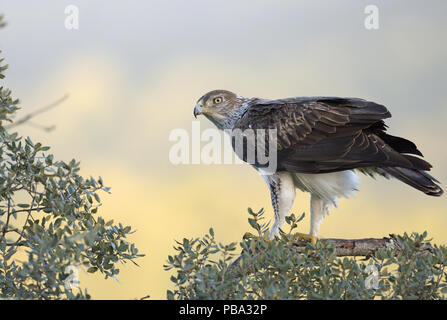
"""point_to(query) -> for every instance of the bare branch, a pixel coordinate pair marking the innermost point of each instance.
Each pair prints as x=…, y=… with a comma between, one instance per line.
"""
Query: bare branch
x=41, y=127
x=37, y=112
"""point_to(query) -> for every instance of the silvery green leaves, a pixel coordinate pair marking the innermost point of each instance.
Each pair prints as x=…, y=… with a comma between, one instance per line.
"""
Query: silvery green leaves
x=8, y=105
x=49, y=221
x=266, y=269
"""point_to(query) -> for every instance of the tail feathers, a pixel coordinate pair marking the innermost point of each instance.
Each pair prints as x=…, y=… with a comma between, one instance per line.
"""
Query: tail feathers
x=418, y=163
x=399, y=144
x=418, y=179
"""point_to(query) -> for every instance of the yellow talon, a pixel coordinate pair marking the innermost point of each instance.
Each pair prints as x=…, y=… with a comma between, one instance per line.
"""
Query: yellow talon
x=307, y=237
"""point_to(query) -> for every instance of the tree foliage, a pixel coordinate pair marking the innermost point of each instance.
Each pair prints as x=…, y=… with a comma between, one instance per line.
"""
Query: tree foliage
x=205, y=269
x=49, y=223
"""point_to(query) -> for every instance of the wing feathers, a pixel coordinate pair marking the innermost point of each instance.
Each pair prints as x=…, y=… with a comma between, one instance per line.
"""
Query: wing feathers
x=325, y=134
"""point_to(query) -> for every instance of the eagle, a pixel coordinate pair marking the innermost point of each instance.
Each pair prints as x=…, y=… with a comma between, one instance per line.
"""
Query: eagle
x=321, y=145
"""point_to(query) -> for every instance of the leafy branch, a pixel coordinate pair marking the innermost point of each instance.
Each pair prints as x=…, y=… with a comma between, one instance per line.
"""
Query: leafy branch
x=49, y=220
x=282, y=269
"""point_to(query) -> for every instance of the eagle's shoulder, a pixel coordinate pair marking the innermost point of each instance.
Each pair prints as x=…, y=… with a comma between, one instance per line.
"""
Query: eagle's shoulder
x=264, y=113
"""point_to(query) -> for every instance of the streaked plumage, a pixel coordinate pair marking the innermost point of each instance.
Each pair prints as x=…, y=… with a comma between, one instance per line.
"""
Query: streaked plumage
x=320, y=141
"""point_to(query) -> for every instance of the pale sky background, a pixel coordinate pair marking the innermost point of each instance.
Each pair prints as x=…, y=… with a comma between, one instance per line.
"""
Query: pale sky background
x=135, y=69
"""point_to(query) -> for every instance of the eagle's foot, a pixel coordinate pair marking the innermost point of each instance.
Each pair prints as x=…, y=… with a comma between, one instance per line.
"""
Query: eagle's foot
x=307, y=237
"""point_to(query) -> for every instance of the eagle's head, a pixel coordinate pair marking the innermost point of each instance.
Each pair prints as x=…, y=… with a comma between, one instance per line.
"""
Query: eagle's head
x=221, y=107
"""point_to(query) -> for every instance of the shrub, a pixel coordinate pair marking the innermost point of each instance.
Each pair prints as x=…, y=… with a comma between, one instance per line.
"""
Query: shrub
x=205, y=269
x=49, y=223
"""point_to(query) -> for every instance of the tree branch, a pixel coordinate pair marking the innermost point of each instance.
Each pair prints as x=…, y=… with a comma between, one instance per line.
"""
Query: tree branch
x=31, y=115
x=353, y=247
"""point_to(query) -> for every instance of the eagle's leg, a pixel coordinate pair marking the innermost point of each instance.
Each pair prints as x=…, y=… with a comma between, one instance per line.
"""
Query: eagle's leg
x=318, y=210
x=282, y=192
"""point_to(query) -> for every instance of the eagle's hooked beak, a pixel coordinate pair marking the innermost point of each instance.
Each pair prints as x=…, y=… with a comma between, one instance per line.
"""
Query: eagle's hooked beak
x=198, y=109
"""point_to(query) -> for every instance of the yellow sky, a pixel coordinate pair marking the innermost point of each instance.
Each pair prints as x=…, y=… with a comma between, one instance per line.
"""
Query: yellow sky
x=133, y=78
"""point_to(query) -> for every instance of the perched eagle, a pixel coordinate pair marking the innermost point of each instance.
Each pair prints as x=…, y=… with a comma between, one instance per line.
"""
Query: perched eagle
x=320, y=142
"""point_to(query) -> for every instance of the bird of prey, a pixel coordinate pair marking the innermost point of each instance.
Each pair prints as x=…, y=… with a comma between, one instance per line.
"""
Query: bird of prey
x=321, y=145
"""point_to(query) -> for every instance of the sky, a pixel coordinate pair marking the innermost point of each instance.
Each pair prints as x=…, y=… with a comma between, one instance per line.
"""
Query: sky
x=134, y=70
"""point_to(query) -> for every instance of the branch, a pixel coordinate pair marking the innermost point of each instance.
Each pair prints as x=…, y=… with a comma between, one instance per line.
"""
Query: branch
x=353, y=247
x=31, y=115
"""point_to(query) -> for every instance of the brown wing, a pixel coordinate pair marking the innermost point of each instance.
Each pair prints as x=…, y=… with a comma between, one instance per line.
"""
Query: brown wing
x=325, y=134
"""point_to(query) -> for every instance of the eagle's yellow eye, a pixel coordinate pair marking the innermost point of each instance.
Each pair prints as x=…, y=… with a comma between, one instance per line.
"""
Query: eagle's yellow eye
x=217, y=100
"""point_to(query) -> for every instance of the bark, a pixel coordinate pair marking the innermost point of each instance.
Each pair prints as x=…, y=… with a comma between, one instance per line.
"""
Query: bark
x=354, y=247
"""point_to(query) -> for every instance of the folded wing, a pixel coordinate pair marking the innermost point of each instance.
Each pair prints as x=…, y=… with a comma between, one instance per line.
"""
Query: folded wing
x=326, y=134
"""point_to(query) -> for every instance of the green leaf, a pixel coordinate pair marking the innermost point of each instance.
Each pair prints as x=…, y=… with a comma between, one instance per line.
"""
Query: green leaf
x=92, y=269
